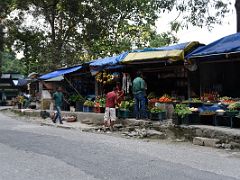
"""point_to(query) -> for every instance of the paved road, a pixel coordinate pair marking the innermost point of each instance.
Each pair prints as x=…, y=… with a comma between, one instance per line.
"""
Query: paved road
x=32, y=152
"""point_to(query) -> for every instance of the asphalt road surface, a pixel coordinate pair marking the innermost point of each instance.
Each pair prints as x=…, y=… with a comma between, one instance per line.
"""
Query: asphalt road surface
x=29, y=151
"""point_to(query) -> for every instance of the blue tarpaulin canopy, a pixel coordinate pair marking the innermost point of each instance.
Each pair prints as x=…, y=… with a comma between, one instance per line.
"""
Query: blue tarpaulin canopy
x=226, y=45
x=59, y=72
x=22, y=82
x=107, y=61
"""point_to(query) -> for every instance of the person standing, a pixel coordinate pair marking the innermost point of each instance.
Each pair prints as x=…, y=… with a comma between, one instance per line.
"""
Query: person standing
x=27, y=98
x=110, y=110
x=138, y=90
x=58, y=99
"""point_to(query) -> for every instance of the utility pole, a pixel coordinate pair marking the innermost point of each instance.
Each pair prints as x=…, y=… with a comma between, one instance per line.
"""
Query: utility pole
x=1, y=45
x=237, y=6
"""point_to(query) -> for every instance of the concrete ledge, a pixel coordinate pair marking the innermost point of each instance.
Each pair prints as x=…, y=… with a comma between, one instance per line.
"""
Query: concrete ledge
x=84, y=117
x=205, y=141
x=57, y=125
x=198, y=141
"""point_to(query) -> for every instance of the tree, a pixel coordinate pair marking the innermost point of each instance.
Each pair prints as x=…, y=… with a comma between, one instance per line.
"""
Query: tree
x=4, y=8
x=68, y=32
x=11, y=64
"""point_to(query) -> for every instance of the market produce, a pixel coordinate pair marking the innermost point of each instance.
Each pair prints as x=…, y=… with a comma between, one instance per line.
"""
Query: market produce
x=100, y=102
x=207, y=113
x=165, y=98
x=235, y=105
x=104, y=77
x=211, y=96
x=225, y=98
x=193, y=109
x=196, y=100
x=157, y=110
x=231, y=112
x=182, y=110
x=127, y=105
x=88, y=103
x=220, y=111
x=227, y=101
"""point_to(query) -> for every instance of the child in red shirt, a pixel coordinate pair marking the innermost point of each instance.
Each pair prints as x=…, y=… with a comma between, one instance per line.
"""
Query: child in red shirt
x=110, y=110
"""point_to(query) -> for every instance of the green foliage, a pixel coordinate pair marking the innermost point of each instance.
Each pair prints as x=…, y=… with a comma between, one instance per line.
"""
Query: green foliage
x=11, y=64
x=234, y=106
x=20, y=99
x=76, y=98
x=202, y=13
x=163, y=39
x=89, y=103
x=182, y=110
x=70, y=32
x=196, y=100
x=101, y=101
x=157, y=110
x=127, y=105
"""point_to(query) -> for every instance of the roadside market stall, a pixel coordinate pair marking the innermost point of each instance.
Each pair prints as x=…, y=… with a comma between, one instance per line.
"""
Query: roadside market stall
x=81, y=87
x=50, y=81
x=164, y=72
x=103, y=70
x=163, y=68
x=218, y=66
x=108, y=74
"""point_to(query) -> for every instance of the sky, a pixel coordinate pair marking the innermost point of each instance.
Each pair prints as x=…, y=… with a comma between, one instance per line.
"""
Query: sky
x=203, y=35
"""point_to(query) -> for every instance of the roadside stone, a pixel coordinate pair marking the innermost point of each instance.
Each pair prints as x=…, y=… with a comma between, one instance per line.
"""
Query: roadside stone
x=132, y=134
x=218, y=146
x=130, y=128
x=211, y=142
x=124, y=133
x=226, y=146
x=235, y=145
x=198, y=141
x=180, y=140
x=198, y=132
x=170, y=134
x=98, y=128
x=118, y=126
x=155, y=134
x=188, y=136
x=205, y=141
x=206, y=133
x=142, y=133
x=65, y=126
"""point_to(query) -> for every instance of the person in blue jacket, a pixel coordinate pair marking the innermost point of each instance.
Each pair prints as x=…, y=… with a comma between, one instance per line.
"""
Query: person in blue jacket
x=139, y=91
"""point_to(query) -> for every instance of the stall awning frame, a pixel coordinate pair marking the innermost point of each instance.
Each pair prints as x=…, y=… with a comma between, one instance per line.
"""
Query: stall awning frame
x=151, y=56
x=157, y=55
x=59, y=72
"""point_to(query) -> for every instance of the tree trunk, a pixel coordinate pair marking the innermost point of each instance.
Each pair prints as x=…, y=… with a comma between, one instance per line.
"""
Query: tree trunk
x=237, y=6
